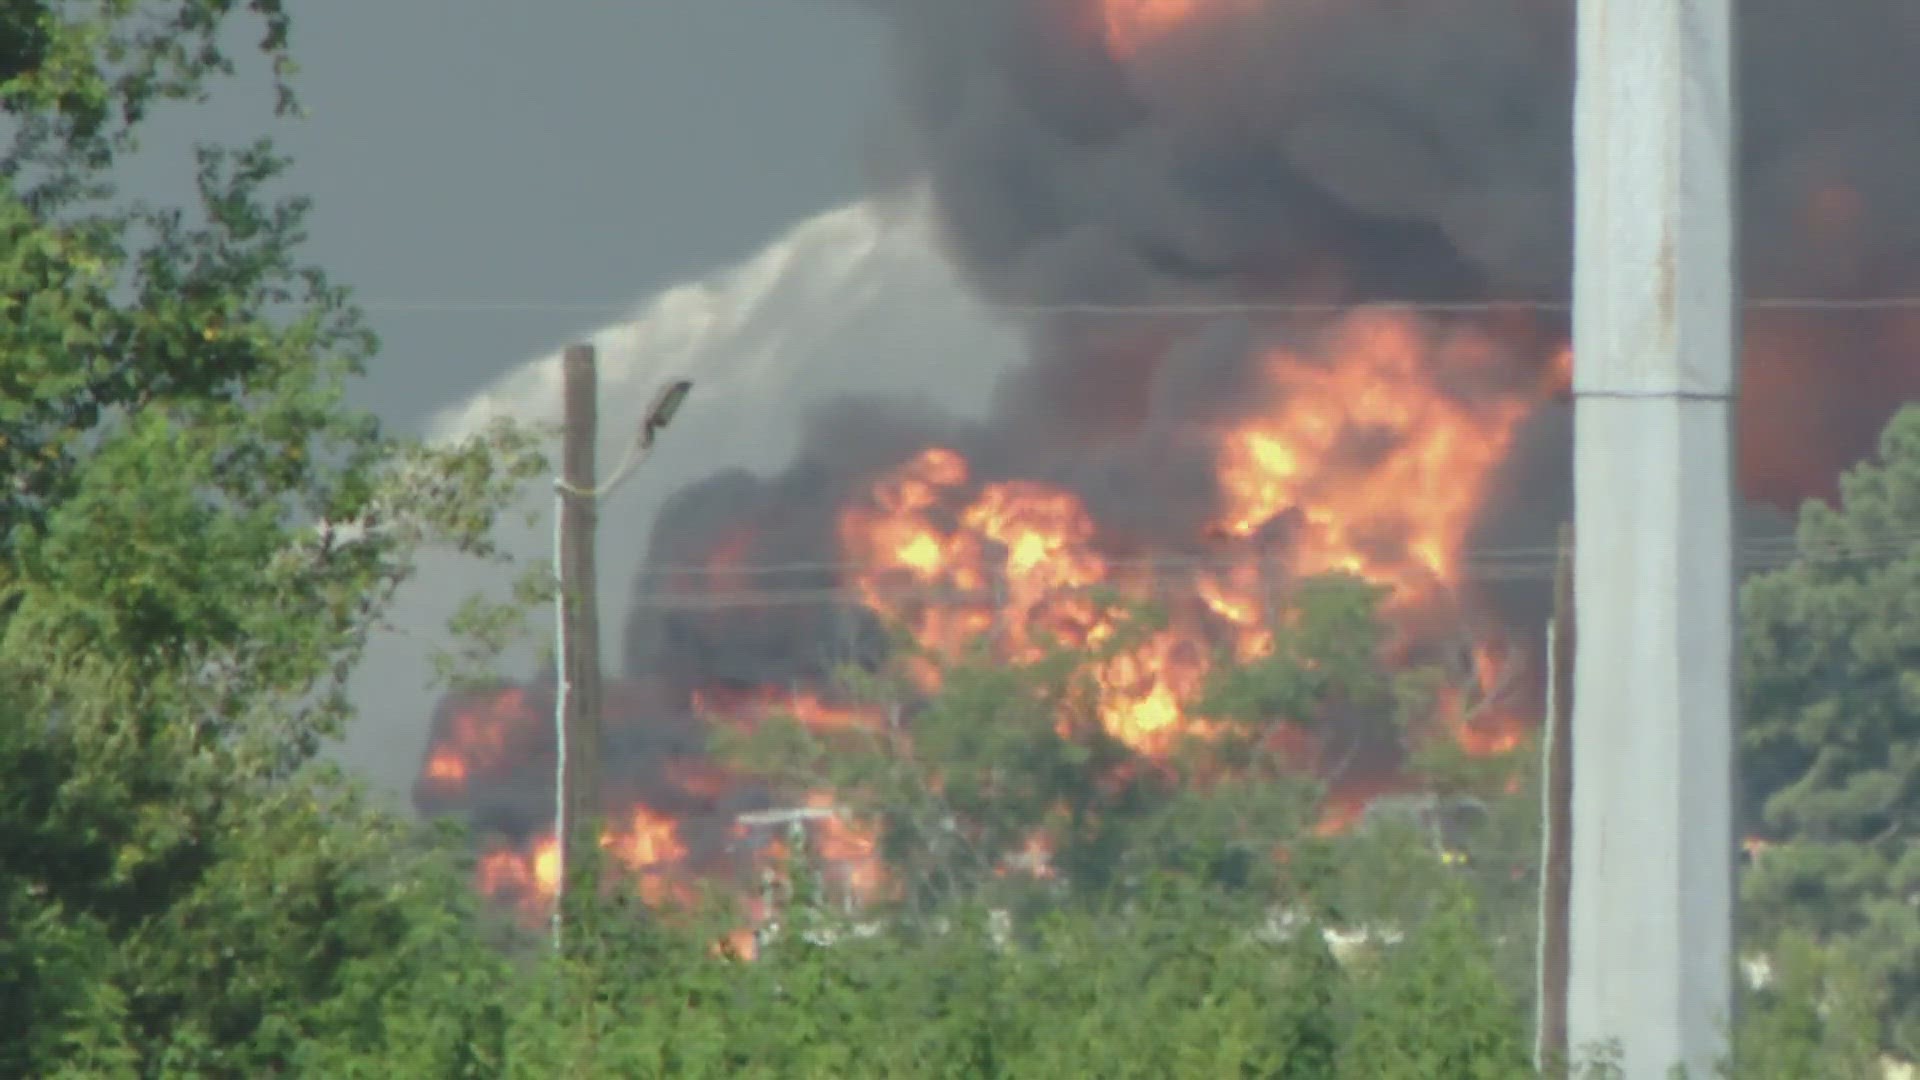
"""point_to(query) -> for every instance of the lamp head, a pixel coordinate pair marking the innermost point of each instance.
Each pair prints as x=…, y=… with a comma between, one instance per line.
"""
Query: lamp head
x=665, y=404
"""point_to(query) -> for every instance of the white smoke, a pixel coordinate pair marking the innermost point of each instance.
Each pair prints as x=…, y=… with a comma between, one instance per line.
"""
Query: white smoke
x=856, y=302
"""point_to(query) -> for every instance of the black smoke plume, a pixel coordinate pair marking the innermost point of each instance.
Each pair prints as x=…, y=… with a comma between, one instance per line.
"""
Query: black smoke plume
x=1314, y=152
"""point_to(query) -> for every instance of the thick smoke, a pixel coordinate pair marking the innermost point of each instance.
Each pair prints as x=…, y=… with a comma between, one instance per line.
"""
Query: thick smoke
x=1313, y=152
x=1160, y=222
x=1412, y=150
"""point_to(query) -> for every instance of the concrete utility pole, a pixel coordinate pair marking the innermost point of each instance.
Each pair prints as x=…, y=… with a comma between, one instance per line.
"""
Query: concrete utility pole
x=1655, y=347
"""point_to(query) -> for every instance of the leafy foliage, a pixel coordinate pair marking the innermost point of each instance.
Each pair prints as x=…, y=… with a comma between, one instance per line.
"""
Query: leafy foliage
x=198, y=538
x=1180, y=983
x=1831, y=653
x=1815, y=1016
x=967, y=783
x=1436, y=1008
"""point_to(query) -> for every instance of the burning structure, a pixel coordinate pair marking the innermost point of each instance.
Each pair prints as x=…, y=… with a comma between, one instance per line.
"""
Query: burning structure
x=1293, y=278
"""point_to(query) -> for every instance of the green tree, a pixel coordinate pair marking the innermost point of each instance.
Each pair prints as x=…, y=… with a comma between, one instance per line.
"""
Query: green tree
x=197, y=540
x=1190, y=858
x=1816, y=1015
x=1181, y=984
x=1177, y=979
x=1435, y=1006
x=1003, y=758
x=1831, y=743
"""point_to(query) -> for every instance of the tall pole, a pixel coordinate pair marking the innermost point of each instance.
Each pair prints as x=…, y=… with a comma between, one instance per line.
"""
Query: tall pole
x=1655, y=347
x=583, y=584
x=578, y=665
x=1556, y=799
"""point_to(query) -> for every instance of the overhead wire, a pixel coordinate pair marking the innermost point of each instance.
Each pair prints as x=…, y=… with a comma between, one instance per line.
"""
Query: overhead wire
x=1496, y=566
x=1515, y=564
x=1755, y=548
x=1152, y=308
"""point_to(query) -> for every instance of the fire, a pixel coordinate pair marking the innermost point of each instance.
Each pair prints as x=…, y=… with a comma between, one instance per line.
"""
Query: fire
x=1014, y=569
x=477, y=739
x=1034, y=858
x=1180, y=157
x=646, y=843
x=1132, y=25
x=904, y=553
x=739, y=944
x=1145, y=690
x=1370, y=467
x=1368, y=452
x=807, y=706
x=447, y=766
x=1343, y=809
x=851, y=849
x=529, y=879
x=650, y=840
x=1491, y=728
x=1369, y=455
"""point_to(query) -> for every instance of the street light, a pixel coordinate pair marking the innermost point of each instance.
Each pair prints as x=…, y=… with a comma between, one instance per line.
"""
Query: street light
x=666, y=404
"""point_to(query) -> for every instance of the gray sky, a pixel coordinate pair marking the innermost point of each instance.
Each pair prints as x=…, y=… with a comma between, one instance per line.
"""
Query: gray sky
x=559, y=151
x=565, y=150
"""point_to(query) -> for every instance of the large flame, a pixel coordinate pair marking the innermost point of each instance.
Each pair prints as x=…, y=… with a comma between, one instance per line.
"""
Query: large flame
x=1401, y=518
x=1363, y=460
x=1369, y=453
x=478, y=740
x=1318, y=173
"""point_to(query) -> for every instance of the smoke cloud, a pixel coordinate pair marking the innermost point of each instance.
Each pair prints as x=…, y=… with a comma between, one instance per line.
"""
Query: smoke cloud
x=1330, y=152
x=1178, y=220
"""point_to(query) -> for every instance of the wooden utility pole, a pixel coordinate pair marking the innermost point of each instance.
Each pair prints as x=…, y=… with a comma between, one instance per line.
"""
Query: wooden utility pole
x=1556, y=863
x=580, y=667
x=1656, y=346
x=579, y=697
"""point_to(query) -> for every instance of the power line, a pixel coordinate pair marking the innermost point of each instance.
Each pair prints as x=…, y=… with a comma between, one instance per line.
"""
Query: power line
x=1497, y=560
x=635, y=309
x=1519, y=565
x=1751, y=560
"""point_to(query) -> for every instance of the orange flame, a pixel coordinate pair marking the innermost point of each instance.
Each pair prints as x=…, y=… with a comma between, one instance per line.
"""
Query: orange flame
x=446, y=765
x=1377, y=470
x=1133, y=25
x=739, y=944
x=1369, y=453
x=1366, y=459
x=476, y=739
x=1491, y=728
x=529, y=879
x=650, y=840
x=1347, y=802
x=646, y=844
x=1035, y=857
x=807, y=706
x=851, y=849
x=1014, y=568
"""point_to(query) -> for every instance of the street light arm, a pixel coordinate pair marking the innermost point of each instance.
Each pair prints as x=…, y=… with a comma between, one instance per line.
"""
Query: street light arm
x=666, y=404
x=635, y=455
